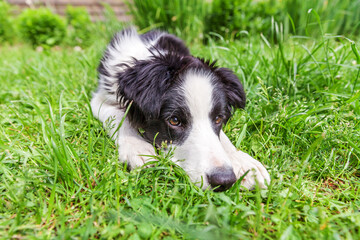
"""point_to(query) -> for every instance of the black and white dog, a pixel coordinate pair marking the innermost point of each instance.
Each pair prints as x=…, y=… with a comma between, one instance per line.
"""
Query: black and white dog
x=175, y=98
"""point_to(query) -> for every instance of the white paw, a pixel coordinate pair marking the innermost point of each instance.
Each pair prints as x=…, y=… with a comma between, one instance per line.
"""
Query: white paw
x=135, y=152
x=243, y=162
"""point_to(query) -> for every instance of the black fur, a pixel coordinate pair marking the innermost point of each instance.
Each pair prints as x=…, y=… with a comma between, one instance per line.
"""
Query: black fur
x=234, y=90
x=172, y=44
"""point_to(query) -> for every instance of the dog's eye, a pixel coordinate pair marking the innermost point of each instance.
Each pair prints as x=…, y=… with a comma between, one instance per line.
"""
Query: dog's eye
x=174, y=121
x=218, y=119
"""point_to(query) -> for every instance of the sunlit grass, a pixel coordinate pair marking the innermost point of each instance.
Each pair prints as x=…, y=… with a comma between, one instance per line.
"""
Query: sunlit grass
x=60, y=177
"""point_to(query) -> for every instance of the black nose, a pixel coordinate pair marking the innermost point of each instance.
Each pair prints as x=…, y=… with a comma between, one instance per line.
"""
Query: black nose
x=221, y=179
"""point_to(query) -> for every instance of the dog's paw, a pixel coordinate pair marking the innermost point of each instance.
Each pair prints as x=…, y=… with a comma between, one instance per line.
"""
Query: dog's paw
x=135, y=152
x=242, y=163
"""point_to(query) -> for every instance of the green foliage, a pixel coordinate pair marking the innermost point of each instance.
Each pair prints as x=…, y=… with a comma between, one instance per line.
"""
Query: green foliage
x=302, y=17
x=80, y=27
x=186, y=18
x=6, y=27
x=192, y=19
x=41, y=27
x=337, y=16
x=229, y=17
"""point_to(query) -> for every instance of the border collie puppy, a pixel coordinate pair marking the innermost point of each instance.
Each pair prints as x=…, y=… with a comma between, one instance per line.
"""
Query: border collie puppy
x=175, y=98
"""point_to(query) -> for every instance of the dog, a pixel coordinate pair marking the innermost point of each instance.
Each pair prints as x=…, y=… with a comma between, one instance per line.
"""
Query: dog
x=175, y=98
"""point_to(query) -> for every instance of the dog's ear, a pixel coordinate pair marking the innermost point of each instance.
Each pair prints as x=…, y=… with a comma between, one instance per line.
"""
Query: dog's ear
x=145, y=83
x=235, y=94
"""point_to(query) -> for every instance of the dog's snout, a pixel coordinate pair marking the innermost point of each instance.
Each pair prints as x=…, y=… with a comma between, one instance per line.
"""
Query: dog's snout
x=221, y=179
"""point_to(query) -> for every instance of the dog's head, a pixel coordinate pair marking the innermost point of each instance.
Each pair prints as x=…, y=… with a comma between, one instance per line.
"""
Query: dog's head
x=184, y=101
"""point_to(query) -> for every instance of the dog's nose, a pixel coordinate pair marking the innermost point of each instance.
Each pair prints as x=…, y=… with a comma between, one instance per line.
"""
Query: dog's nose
x=221, y=179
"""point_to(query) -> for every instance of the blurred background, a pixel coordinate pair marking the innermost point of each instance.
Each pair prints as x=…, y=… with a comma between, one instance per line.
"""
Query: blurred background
x=81, y=22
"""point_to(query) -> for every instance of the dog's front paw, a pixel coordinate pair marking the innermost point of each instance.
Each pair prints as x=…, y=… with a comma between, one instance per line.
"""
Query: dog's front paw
x=242, y=163
x=135, y=152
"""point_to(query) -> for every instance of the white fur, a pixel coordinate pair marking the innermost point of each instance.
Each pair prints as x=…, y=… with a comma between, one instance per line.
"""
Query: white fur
x=243, y=162
x=126, y=47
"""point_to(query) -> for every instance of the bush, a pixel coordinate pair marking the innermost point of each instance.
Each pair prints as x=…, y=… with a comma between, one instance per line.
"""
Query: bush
x=79, y=26
x=41, y=27
x=6, y=29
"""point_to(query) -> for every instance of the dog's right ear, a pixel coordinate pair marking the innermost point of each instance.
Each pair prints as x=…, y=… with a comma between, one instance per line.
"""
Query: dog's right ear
x=145, y=83
x=235, y=93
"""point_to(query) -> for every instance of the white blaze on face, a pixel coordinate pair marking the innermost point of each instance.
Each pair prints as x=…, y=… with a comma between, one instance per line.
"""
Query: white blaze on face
x=198, y=92
x=202, y=151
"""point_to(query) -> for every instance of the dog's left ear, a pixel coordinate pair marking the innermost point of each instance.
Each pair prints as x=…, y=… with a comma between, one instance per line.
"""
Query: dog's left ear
x=235, y=94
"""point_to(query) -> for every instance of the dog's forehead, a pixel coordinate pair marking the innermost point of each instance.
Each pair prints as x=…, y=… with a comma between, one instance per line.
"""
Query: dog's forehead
x=198, y=91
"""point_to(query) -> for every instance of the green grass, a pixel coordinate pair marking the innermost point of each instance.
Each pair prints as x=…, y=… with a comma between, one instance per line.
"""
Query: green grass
x=60, y=177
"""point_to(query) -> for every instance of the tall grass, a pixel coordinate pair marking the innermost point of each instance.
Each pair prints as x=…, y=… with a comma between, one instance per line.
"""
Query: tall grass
x=338, y=17
x=185, y=18
x=195, y=19
x=60, y=176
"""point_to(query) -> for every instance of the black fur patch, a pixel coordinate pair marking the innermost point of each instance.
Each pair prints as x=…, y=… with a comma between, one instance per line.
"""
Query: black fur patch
x=235, y=94
x=172, y=44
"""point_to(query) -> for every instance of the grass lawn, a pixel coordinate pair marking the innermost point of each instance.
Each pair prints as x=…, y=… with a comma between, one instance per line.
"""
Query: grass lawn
x=60, y=177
